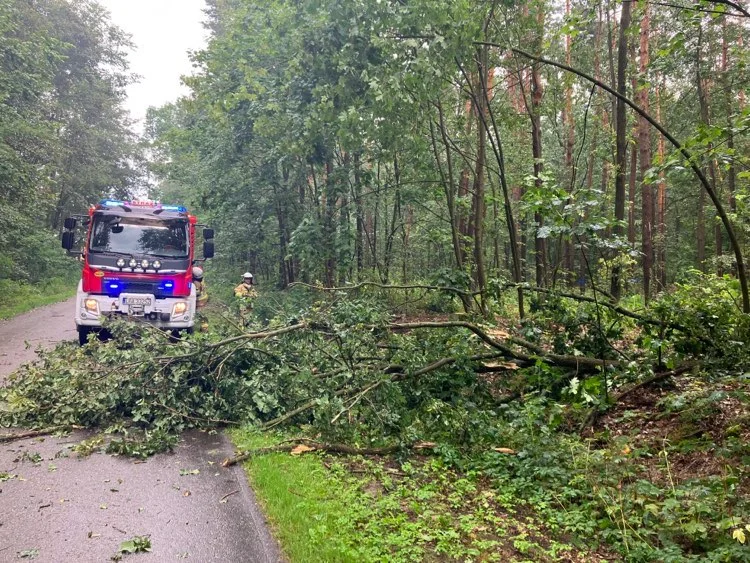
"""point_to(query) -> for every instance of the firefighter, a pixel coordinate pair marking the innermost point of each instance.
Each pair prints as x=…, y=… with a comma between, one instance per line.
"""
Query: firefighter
x=245, y=293
x=201, y=297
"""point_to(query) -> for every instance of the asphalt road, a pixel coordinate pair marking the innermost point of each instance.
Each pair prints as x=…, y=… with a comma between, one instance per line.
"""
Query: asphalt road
x=58, y=507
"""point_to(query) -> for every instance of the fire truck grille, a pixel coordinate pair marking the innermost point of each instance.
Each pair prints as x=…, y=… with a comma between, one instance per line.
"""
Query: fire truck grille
x=155, y=288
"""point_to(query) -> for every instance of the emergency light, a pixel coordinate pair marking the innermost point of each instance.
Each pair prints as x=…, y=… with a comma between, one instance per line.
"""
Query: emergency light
x=142, y=203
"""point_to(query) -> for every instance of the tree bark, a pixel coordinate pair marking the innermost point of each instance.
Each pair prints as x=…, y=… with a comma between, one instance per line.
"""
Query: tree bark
x=705, y=119
x=479, y=205
x=569, y=127
x=329, y=226
x=450, y=194
x=621, y=141
x=644, y=147
x=661, y=209
x=537, y=92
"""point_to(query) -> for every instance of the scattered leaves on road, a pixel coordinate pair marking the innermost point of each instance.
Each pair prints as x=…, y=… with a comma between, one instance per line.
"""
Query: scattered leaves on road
x=137, y=544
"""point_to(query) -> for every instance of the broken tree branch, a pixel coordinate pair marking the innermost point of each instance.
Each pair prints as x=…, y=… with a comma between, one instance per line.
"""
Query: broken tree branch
x=290, y=445
x=383, y=286
x=5, y=438
x=595, y=412
x=578, y=362
x=398, y=374
x=614, y=307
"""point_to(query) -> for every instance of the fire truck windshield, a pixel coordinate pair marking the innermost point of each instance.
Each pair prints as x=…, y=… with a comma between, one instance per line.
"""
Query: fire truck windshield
x=124, y=235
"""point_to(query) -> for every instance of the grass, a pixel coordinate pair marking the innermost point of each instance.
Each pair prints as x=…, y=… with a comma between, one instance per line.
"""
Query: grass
x=350, y=508
x=302, y=499
x=662, y=478
x=18, y=297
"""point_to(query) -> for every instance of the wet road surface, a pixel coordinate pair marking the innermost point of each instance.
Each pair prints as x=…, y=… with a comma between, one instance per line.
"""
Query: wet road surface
x=41, y=327
x=57, y=507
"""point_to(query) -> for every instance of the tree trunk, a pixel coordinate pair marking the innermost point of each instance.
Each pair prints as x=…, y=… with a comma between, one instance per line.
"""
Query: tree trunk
x=488, y=121
x=729, y=110
x=644, y=146
x=705, y=119
x=537, y=92
x=633, y=168
x=450, y=194
x=464, y=227
x=358, y=209
x=569, y=127
x=329, y=226
x=478, y=203
x=621, y=141
x=661, y=209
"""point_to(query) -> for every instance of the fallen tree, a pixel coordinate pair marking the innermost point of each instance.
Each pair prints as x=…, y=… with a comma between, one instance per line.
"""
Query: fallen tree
x=346, y=369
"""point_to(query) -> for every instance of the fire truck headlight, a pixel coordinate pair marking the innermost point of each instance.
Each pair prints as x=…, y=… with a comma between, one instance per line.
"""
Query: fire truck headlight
x=144, y=263
x=179, y=308
x=132, y=263
x=156, y=264
x=91, y=306
x=121, y=263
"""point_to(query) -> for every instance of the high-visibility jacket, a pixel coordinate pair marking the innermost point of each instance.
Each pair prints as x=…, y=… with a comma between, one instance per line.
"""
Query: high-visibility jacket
x=245, y=290
x=201, y=295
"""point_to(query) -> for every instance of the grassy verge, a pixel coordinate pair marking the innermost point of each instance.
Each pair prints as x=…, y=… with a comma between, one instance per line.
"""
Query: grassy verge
x=17, y=297
x=350, y=508
x=663, y=477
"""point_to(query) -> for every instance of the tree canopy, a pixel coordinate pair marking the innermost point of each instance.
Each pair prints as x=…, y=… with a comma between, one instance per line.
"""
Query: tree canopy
x=65, y=138
x=395, y=141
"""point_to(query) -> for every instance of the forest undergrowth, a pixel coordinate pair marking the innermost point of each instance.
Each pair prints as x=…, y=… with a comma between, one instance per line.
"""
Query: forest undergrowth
x=624, y=433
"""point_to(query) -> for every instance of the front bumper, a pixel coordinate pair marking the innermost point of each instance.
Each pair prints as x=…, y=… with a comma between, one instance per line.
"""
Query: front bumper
x=92, y=309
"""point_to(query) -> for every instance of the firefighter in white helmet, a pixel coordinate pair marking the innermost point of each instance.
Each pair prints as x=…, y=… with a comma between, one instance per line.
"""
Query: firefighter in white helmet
x=245, y=294
x=201, y=295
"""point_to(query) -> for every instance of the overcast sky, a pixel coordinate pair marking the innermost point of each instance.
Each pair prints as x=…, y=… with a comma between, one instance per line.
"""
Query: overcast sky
x=163, y=32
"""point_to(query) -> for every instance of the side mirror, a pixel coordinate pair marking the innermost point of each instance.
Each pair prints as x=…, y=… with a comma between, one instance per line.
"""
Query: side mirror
x=68, y=239
x=70, y=223
x=208, y=234
x=208, y=249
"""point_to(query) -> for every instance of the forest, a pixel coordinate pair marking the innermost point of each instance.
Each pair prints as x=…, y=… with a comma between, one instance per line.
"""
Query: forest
x=503, y=239
x=66, y=138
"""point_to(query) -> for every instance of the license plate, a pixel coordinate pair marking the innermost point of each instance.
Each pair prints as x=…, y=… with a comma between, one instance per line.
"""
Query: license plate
x=136, y=301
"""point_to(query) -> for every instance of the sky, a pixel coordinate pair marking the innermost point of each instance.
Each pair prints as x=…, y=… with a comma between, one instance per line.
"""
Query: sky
x=163, y=32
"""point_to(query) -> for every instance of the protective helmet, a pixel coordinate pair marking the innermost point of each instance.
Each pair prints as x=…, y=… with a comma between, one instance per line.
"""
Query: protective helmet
x=247, y=275
x=197, y=273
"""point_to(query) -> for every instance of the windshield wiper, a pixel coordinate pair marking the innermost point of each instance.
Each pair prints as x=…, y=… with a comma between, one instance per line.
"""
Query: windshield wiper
x=159, y=255
x=109, y=252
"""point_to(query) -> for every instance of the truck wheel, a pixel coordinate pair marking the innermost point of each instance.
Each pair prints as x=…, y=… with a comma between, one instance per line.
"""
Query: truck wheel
x=83, y=334
x=177, y=333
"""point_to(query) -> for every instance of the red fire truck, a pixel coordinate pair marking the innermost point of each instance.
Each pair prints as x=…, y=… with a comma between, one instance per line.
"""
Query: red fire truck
x=137, y=259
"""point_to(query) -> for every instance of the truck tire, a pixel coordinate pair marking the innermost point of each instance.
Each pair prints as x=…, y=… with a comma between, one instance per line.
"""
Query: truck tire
x=176, y=334
x=83, y=334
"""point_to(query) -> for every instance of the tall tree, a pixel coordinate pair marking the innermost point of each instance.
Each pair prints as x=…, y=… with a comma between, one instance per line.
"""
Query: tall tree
x=644, y=157
x=620, y=131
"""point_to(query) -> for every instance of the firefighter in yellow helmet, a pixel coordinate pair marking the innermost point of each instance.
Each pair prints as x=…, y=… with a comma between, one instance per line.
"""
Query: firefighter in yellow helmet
x=245, y=294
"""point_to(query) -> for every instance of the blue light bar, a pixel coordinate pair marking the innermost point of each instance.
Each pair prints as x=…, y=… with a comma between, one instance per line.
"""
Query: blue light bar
x=113, y=287
x=111, y=202
x=167, y=286
x=178, y=208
